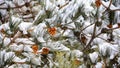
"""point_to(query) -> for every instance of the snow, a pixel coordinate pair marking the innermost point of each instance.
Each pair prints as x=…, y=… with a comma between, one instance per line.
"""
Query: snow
x=24, y=26
x=6, y=41
x=103, y=48
x=5, y=26
x=1, y=1
x=57, y=46
x=5, y=56
x=24, y=41
x=49, y=5
x=17, y=60
x=35, y=59
x=112, y=7
x=114, y=50
x=28, y=33
x=28, y=48
x=77, y=53
x=16, y=47
x=68, y=33
x=39, y=32
x=93, y=56
x=99, y=65
x=108, y=49
x=118, y=60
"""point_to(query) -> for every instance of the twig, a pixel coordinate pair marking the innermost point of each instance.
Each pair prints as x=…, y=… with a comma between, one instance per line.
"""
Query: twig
x=108, y=8
x=92, y=38
x=63, y=5
x=86, y=27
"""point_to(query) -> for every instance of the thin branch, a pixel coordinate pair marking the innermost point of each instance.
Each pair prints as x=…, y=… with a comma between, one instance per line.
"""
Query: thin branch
x=92, y=38
x=110, y=4
x=108, y=8
x=63, y=5
x=85, y=28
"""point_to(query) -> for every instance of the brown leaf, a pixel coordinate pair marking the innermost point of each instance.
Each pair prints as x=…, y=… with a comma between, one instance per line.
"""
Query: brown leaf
x=45, y=51
x=109, y=26
x=83, y=39
x=76, y=62
x=118, y=25
x=35, y=48
x=98, y=3
x=52, y=31
x=2, y=31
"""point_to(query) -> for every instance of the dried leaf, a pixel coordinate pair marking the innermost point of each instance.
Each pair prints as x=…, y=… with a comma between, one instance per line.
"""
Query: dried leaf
x=45, y=51
x=52, y=31
x=109, y=26
x=35, y=48
x=118, y=25
x=98, y=3
x=76, y=62
x=83, y=39
x=2, y=31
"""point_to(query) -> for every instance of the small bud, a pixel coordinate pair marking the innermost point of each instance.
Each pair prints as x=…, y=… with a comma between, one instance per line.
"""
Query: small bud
x=83, y=39
x=77, y=62
x=118, y=25
x=109, y=26
x=27, y=4
x=104, y=30
x=98, y=23
x=35, y=48
x=58, y=5
x=52, y=31
x=45, y=51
